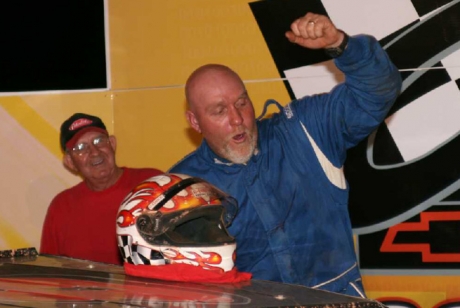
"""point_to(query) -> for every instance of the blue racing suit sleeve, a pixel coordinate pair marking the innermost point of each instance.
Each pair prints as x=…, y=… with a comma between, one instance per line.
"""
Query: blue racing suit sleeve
x=338, y=120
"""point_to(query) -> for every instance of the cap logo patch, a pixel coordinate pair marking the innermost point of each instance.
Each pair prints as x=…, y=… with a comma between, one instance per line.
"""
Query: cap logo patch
x=79, y=123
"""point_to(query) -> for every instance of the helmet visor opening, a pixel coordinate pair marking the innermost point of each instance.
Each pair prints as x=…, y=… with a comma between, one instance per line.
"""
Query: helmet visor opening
x=202, y=226
x=200, y=231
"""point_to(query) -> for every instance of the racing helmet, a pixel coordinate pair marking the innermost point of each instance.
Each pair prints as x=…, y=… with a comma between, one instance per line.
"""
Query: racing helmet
x=175, y=218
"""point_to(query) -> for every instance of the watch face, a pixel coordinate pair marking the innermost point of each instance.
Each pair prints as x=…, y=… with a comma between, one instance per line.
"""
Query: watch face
x=334, y=52
x=337, y=51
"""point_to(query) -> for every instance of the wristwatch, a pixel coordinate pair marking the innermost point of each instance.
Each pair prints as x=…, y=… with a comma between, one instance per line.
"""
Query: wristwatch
x=334, y=52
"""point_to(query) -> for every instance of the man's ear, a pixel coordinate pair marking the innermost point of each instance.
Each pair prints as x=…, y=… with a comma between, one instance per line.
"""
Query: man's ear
x=113, y=142
x=192, y=120
x=68, y=163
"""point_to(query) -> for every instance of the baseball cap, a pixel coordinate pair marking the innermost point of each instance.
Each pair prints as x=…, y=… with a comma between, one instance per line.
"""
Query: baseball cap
x=78, y=124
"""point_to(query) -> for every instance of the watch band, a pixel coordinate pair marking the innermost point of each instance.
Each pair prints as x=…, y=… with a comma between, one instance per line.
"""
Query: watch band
x=337, y=51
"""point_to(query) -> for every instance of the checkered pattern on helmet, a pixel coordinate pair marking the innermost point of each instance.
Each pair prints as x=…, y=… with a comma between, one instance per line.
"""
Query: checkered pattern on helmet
x=136, y=254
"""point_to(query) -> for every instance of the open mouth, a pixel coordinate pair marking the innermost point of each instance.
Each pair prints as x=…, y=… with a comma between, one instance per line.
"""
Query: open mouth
x=240, y=137
x=97, y=162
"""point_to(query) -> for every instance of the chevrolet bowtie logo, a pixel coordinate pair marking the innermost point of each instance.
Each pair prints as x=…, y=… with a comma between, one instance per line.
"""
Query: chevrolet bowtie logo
x=436, y=236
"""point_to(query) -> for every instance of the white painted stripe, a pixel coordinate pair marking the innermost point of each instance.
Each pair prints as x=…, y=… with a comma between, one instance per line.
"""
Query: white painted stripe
x=31, y=177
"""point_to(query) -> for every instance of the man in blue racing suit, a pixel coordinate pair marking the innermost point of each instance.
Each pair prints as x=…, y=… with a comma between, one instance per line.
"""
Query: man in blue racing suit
x=287, y=171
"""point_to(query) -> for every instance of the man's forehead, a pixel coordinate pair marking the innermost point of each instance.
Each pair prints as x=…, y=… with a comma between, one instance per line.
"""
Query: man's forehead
x=219, y=98
x=214, y=87
x=214, y=76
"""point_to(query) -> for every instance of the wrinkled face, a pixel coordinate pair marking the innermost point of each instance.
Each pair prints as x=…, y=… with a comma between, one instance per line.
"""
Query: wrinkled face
x=222, y=111
x=97, y=161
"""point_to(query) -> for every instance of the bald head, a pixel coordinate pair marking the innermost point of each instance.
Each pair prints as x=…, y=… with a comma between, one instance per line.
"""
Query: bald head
x=221, y=110
x=209, y=75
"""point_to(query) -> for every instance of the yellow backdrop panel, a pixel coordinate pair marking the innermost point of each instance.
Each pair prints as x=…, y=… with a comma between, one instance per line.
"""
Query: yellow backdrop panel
x=150, y=128
x=158, y=43
x=427, y=291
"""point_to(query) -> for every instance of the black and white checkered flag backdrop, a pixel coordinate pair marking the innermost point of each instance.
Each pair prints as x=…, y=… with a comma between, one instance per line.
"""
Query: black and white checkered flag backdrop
x=409, y=165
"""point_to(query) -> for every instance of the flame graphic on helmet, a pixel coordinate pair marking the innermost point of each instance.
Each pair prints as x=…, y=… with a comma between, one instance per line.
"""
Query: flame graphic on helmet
x=149, y=191
x=211, y=258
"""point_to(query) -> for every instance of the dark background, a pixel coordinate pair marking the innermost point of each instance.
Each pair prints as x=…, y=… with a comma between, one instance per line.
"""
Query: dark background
x=52, y=45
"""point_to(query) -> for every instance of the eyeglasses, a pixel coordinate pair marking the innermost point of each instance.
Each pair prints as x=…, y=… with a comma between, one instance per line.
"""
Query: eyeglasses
x=83, y=147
